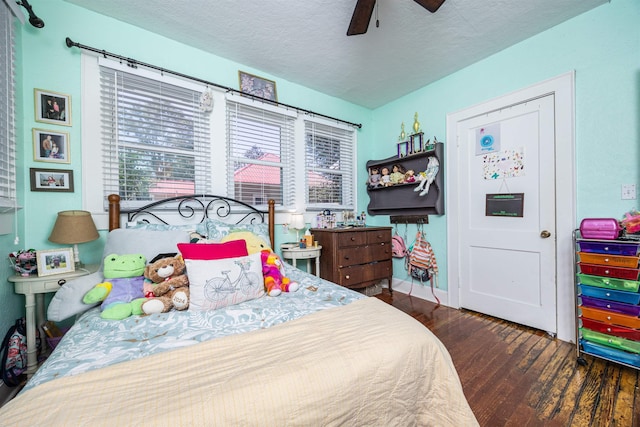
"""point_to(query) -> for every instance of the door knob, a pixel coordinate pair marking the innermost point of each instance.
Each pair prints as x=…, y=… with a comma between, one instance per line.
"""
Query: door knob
x=545, y=234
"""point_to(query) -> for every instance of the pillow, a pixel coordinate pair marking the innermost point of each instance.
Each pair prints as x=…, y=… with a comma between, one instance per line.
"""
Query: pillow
x=67, y=301
x=215, y=229
x=219, y=283
x=205, y=251
x=160, y=227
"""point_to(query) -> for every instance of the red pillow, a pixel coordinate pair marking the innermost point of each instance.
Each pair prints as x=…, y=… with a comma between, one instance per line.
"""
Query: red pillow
x=207, y=251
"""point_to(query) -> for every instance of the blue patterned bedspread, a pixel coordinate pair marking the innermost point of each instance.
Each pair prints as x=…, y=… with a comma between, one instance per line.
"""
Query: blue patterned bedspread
x=94, y=343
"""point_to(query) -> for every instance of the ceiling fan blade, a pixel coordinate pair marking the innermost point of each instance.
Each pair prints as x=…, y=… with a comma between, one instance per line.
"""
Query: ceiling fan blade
x=430, y=5
x=361, y=17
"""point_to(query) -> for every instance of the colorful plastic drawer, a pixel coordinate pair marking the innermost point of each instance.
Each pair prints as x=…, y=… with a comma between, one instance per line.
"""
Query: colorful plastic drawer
x=610, y=340
x=626, y=249
x=611, y=295
x=609, y=283
x=618, y=331
x=610, y=317
x=603, y=270
x=618, y=307
x=606, y=259
x=610, y=353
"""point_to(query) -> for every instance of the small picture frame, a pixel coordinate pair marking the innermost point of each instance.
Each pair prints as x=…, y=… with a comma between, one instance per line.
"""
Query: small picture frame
x=54, y=180
x=52, y=107
x=257, y=86
x=51, y=146
x=55, y=261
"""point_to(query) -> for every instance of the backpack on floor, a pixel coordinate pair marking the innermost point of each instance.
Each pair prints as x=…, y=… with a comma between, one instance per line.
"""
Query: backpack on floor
x=14, y=353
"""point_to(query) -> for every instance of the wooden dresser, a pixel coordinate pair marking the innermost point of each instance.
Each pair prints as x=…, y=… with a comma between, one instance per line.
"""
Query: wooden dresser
x=355, y=257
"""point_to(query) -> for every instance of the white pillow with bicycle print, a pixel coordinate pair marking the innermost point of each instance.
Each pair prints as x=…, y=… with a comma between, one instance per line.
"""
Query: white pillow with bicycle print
x=219, y=283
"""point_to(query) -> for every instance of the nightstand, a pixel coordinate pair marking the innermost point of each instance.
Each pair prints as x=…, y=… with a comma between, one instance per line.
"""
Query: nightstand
x=303, y=253
x=33, y=288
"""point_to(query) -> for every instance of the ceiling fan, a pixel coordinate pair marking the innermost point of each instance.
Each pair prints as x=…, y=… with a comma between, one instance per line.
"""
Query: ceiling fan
x=364, y=9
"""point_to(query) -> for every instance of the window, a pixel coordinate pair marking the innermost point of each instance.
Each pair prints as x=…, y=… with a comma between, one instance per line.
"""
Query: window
x=7, y=106
x=260, y=160
x=156, y=140
x=329, y=152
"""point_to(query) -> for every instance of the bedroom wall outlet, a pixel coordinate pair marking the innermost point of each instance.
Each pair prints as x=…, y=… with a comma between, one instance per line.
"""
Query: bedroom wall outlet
x=628, y=191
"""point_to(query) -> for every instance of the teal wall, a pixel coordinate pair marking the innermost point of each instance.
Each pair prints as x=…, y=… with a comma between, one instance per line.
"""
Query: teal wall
x=602, y=46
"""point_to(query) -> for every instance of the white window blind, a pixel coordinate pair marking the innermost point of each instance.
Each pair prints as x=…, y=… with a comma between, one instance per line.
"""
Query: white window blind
x=329, y=152
x=156, y=138
x=260, y=158
x=7, y=106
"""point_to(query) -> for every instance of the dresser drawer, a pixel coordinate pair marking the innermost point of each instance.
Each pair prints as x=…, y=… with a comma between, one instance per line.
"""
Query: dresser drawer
x=618, y=331
x=610, y=294
x=359, y=276
x=352, y=238
x=609, y=283
x=376, y=237
x=363, y=254
x=610, y=340
x=607, y=259
x=609, y=317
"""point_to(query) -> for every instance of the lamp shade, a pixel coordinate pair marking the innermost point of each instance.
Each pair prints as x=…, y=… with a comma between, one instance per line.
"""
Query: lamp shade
x=74, y=227
x=297, y=221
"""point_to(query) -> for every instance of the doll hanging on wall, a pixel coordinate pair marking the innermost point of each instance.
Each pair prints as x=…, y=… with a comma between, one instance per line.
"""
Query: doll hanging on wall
x=386, y=178
x=397, y=176
x=374, y=178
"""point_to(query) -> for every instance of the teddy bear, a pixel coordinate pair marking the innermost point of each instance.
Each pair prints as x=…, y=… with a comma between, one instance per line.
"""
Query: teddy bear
x=275, y=282
x=122, y=294
x=171, y=285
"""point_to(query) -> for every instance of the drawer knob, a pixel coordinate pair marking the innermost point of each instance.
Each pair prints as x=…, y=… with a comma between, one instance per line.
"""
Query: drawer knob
x=352, y=239
x=62, y=282
x=608, y=329
x=347, y=277
x=606, y=248
x=606, y=260
x=608, y=294
x=608, y=317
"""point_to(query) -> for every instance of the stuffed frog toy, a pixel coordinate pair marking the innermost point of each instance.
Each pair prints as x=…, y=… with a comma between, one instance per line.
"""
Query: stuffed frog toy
x=122, y=292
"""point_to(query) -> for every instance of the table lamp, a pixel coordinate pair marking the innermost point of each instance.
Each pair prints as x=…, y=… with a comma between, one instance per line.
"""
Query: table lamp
x=297, y=223
x=73, y=227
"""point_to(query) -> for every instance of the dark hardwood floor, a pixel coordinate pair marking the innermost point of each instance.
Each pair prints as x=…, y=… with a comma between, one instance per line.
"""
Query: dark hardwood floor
x=513, y=375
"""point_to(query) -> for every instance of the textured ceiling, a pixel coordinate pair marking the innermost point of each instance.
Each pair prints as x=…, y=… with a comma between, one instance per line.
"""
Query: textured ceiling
x=305, y=41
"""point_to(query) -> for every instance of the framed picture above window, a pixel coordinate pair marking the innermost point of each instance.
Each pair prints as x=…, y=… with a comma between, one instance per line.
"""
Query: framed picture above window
x=258, y=86
x=55, y=180
x=52, y=107
x=50, y=146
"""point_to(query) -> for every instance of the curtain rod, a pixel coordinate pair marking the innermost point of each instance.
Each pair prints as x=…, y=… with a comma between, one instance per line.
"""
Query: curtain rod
x=134, y=63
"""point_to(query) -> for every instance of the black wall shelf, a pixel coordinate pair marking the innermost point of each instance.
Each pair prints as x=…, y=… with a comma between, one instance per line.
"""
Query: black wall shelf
x=401, y=199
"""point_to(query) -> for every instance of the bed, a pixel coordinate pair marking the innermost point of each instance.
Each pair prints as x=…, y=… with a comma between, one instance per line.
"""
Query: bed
x=321, y=356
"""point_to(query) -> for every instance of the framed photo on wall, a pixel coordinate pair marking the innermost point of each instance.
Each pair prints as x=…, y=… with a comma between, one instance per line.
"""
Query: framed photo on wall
x=51, y=146
x=55, y=261
x=54, y=180
x=258, y=86
x=52, y=107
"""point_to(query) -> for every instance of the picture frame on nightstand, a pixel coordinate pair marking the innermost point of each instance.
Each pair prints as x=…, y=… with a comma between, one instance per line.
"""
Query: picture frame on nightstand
x=55, y=261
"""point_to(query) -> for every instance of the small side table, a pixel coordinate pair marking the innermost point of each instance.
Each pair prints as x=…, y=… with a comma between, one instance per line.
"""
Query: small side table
x=33, y=288
x=303, y=253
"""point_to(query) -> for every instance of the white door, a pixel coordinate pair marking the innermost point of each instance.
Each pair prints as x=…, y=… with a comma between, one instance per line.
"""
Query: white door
x=507, y=256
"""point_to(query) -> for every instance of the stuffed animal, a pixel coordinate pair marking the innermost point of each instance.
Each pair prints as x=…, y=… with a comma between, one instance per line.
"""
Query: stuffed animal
x=255, y=243
x=171, y=289
x=122, y=295
x=275, y=282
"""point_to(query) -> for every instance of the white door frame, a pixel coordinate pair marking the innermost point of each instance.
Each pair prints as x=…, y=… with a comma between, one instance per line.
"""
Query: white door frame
x=563, y=89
